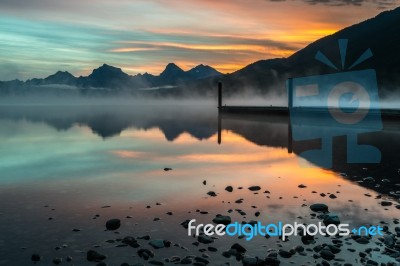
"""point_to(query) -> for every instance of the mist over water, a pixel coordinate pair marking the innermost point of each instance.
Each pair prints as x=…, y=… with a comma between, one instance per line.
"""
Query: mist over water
x=51, y=95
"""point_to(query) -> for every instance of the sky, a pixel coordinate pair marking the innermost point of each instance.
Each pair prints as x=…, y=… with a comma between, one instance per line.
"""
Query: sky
x=40, y=37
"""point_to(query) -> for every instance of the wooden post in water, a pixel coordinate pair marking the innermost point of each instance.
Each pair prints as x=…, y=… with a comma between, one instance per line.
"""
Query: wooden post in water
x=290, y=93
x=219, y=109
x=290, y=137
x=219, y=95
x=219, y=128
x=290, y=106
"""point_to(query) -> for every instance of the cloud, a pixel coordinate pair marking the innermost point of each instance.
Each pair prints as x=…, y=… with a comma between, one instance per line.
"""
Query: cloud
x=39, y=37
x=377, y=3
x=336, y=2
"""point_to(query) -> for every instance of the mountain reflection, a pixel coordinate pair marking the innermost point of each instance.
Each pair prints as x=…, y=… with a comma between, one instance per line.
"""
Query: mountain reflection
x=202, y=122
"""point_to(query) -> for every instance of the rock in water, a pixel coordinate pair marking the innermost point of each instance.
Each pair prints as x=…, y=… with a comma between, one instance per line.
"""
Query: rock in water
x=145, y=253
x=327, y=254
x=239, y=248
x=94, y=256
x=166, y=169
x=211, y=194
x=285, y=254
x=185, y=224
x=362, y=240
x=386, y=203
x=229, y=188
x=319, y=207
x=249, y=261
x=389, y=241
x=57, y=261
x=254, y=188
x=157, y=243
x=113, y=224
x=35, y=257
x=205, y=239
x=222, y=219
x=331, y=218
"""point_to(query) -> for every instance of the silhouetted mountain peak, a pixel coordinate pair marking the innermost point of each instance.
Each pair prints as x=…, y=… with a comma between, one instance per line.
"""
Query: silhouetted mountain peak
x=172, y=69
x=60, y=77
x=171, y=74
x=106, y=76
x=108, y=70
x=203, y=71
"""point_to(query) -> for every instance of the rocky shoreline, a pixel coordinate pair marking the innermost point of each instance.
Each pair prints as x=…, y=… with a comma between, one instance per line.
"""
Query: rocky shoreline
x=358, y=249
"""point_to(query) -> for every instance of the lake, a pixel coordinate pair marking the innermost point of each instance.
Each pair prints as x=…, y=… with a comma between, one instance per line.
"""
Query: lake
x=66, y=170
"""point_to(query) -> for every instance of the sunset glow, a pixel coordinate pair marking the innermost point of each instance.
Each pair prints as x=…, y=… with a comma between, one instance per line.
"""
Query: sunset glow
x=143, y=36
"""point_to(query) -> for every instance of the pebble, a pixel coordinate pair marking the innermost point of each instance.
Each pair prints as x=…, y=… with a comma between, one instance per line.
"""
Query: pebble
x=201, y=260
x=205, y=239
x=212, y=249
x=187, y=260
x=145, y=253
x=36, y=257
x=386, y=203
x=326, y=254
x=319, y=207
x=93, y=255
x=239, y=248
x=362, y=240
x=229, y=188
x=157, y=243
x=248, y=260
x=113, y=224
x=57, y=261
x=285, y=254
x=211, y=194
x=222, y=219
x=331, y=218
x=156, y=262
x=254, y=188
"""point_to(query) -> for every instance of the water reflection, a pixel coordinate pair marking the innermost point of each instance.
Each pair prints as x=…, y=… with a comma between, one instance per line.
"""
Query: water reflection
x=115, y=156
x=202, y=122
x=276, y=131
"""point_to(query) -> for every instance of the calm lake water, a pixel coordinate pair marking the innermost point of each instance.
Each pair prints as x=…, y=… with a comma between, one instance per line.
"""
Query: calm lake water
x=75, y=167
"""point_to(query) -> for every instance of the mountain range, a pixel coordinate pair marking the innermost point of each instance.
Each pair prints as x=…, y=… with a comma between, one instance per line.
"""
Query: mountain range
x=380, y=34
x=111, y=77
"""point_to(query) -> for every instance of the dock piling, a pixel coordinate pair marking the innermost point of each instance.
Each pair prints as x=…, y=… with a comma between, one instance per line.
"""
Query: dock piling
x=219, y=95
x=290, y=92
